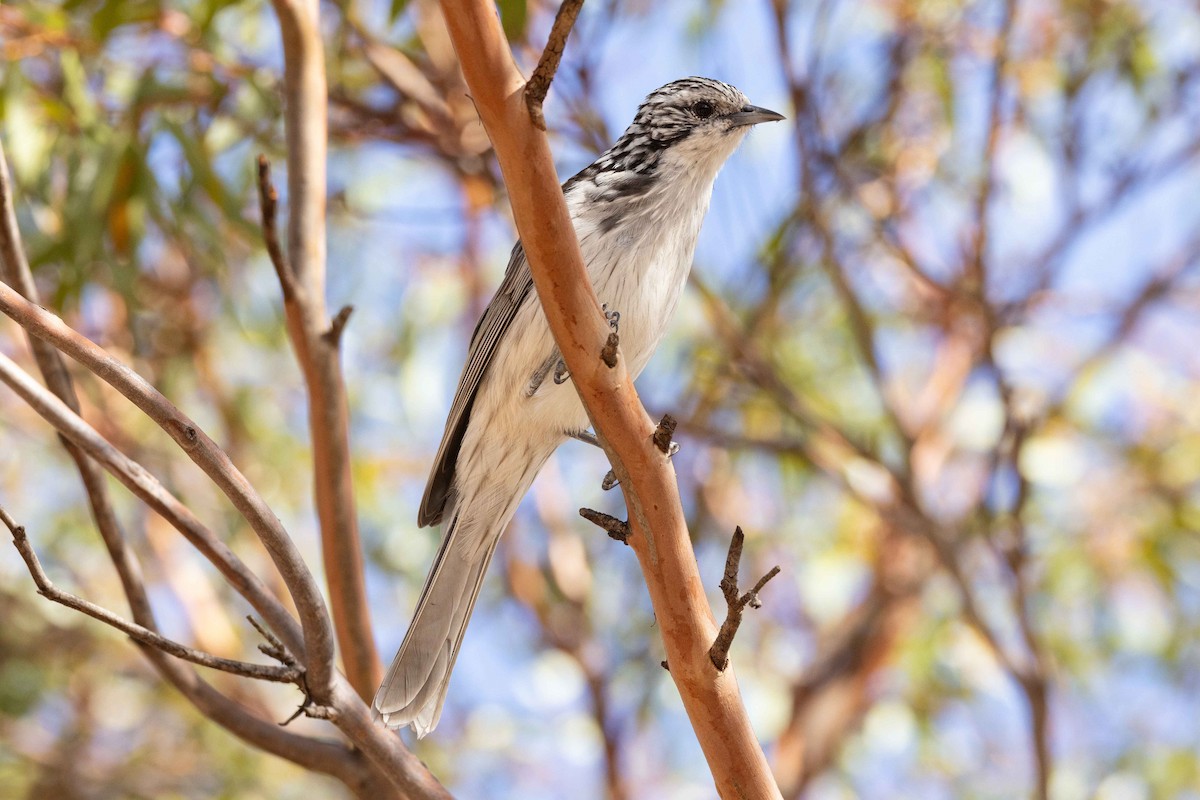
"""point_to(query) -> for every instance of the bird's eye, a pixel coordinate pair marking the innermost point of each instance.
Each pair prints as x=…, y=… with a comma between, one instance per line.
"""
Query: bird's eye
x=703, y=109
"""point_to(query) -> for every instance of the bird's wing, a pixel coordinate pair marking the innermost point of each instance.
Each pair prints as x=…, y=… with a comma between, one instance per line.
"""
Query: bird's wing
x=514, y=289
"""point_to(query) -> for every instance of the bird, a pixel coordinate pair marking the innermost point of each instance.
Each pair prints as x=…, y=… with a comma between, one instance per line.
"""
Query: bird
x=637, y=212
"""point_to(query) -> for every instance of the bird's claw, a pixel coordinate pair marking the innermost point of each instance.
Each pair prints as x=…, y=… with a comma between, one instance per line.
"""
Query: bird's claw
x=610, y=478
x=561, y=375
x=613, y=317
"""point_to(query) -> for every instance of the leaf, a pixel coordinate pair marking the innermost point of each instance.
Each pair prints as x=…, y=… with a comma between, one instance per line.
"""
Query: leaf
x=514, y=14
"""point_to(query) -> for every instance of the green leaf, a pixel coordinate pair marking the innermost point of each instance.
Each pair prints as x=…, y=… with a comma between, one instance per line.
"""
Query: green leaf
x=513, y=16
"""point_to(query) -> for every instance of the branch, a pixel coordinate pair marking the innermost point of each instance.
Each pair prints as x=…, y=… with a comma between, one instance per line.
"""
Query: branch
x=145, y=636
x=316, y=646
x=315, y=339
x=147, y=488
x=616, y=528
x=718, y=654
x=330, y=758
x=268, y=203
x=832, y=696
x=976, y=266
x=543, y=74
x=662, y=543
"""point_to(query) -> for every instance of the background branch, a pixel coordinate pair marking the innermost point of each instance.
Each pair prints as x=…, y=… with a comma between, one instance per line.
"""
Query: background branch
x=329, y=758
x=210, y=458
x=144, y=636
x=302, y=279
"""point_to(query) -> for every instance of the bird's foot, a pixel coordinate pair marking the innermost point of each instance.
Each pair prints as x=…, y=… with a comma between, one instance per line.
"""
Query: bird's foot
x=610, y=478
x=561, y=374
x=585, y=436
x=613, y=317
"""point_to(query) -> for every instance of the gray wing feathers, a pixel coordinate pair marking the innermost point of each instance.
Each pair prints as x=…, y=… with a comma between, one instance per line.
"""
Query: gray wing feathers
x=415, y=687
x=513, y=291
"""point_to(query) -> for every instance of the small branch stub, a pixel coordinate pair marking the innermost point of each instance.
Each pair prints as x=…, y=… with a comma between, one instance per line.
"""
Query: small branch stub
x=718, y=654
x=664, y=432
x=608, y=354
x=334, y=334
x=616, y=528
x=539, y=83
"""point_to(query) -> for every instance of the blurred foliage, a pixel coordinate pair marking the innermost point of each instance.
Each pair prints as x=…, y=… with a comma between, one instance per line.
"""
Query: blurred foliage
x=936, y=360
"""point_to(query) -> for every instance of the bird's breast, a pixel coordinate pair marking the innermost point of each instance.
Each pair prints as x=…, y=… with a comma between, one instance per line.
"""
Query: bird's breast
x=638, y=269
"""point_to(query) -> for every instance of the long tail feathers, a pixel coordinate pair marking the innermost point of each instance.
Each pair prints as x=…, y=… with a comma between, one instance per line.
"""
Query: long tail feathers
x=414, y=689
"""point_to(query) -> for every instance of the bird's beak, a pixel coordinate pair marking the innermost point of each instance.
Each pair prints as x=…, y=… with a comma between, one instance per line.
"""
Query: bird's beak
x=752, y=115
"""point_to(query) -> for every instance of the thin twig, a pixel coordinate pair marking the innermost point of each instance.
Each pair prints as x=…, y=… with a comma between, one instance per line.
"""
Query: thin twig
x=268, y=200
x=976, y=266
x=262, y=672
x=273, y=647
x=539, y=83
x=718, y=654
x=616, y=528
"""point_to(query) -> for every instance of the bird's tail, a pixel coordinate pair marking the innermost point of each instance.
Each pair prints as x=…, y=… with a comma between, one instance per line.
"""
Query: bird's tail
x=415, y=686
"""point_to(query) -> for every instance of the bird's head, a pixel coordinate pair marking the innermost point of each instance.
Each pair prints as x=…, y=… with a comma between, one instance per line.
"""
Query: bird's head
x=697, y=122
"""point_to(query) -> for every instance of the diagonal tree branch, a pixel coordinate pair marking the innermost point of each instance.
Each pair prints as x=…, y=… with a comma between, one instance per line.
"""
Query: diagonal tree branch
x=539, y=83
x=659, y=531
x=342, y=705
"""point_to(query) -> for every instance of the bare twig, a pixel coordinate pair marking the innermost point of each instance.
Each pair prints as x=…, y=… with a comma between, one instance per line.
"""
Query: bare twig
x=262, y=672
x=719, y=652
x=539, y=83
x=976, y=266
x=273, y=647
x=268, y=200
x=617, y=528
